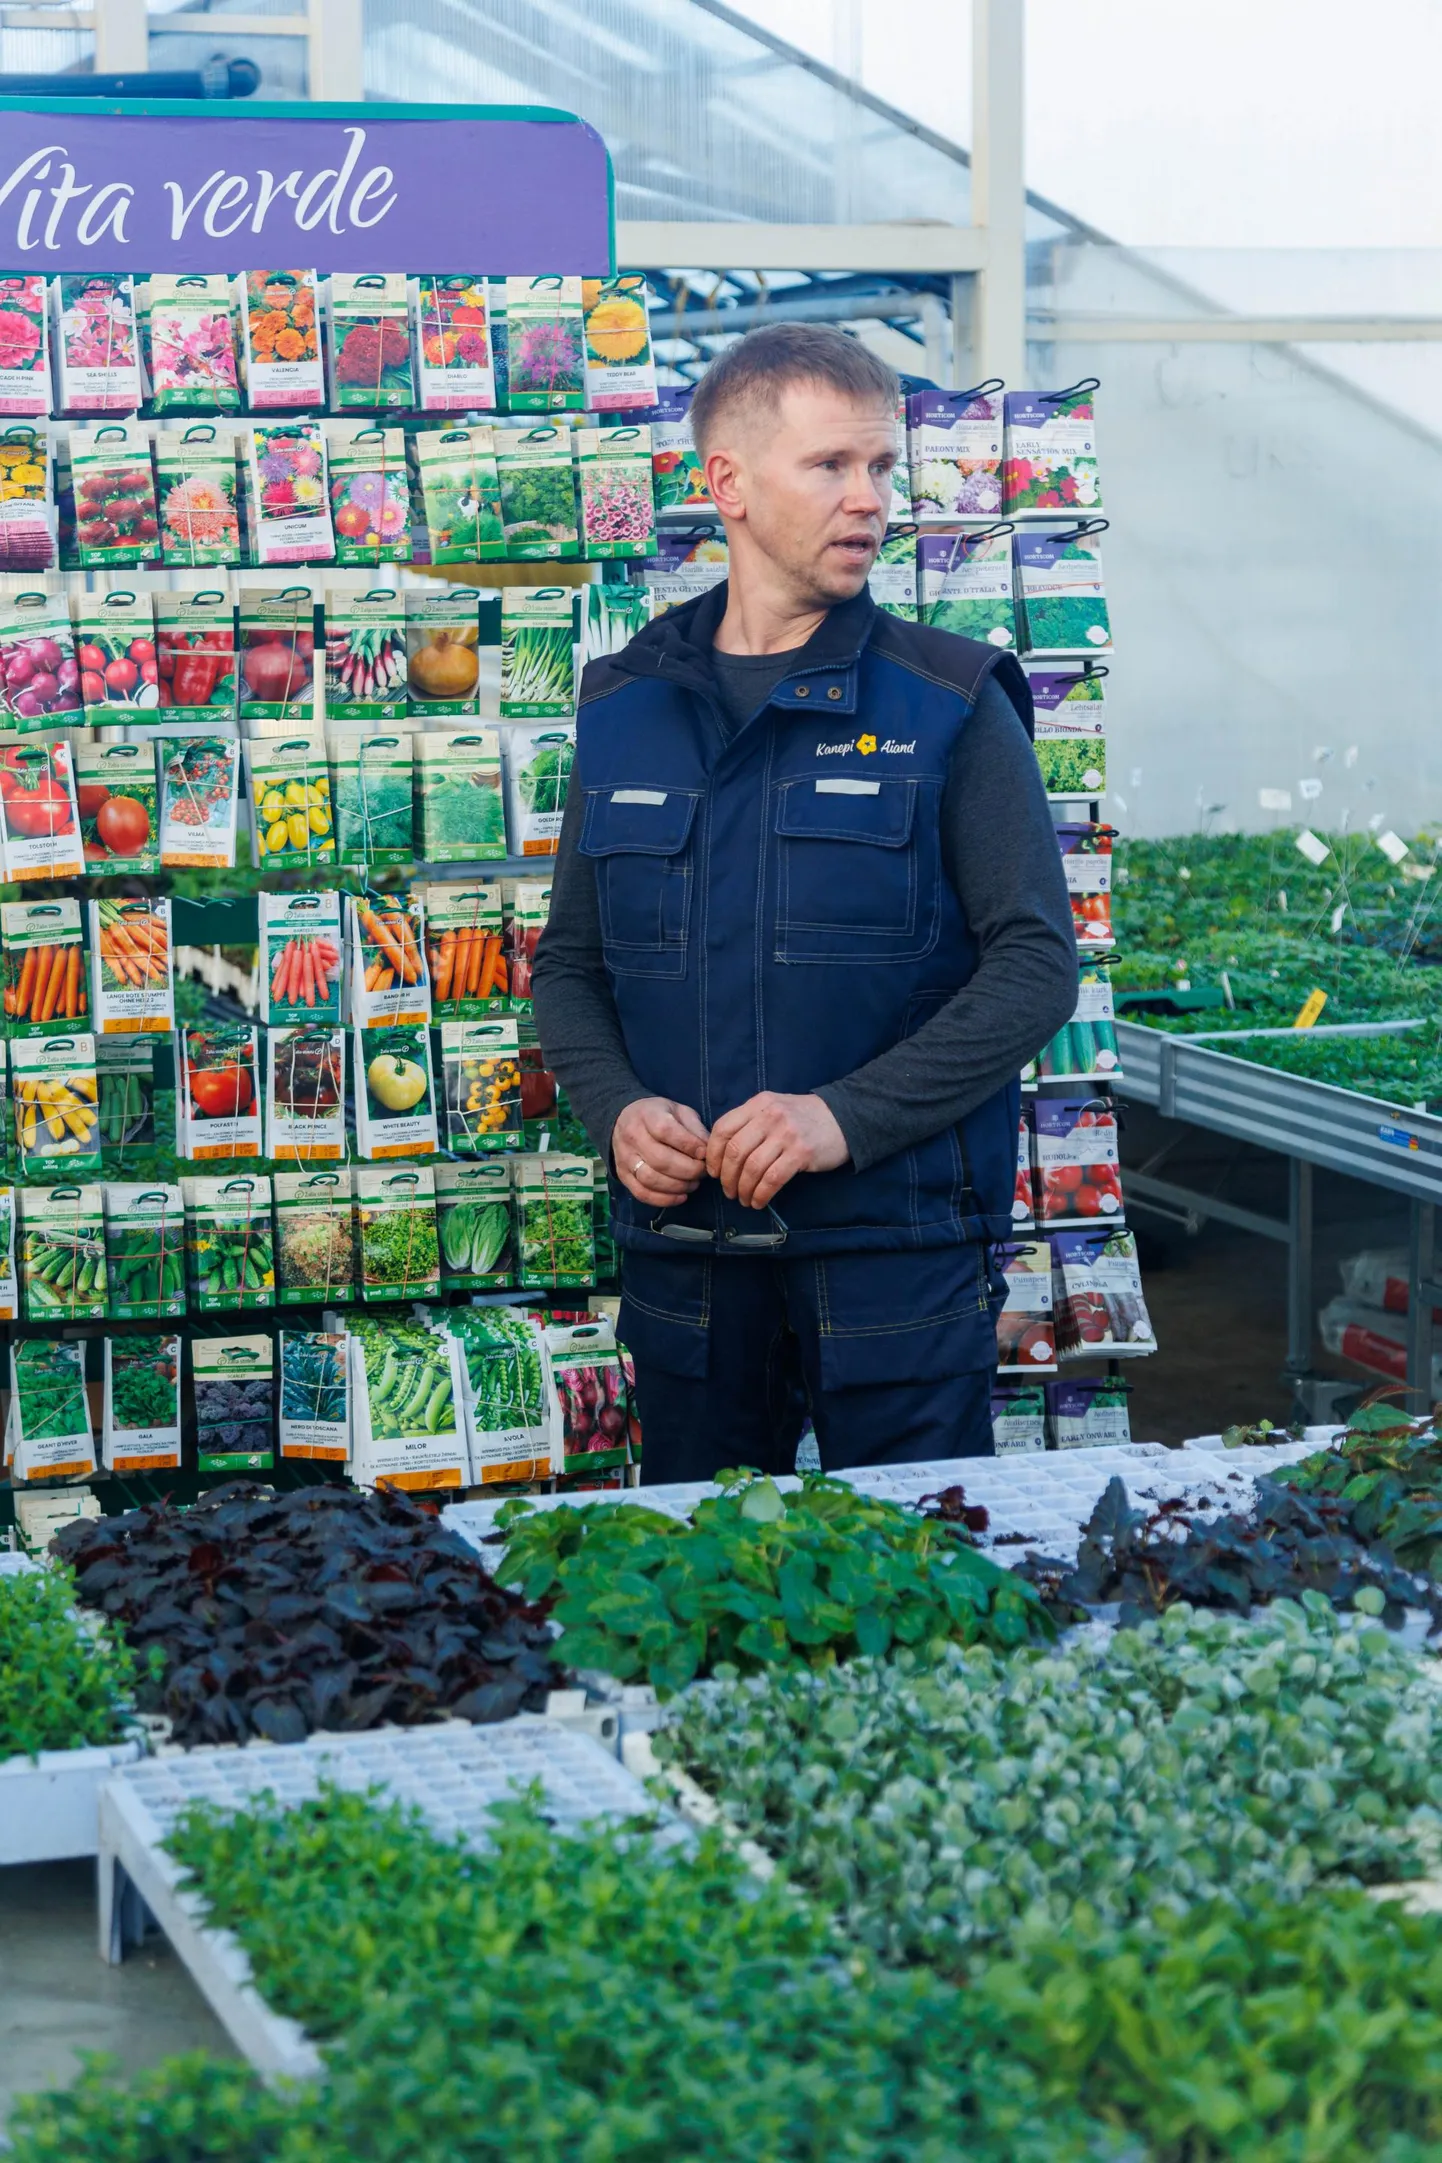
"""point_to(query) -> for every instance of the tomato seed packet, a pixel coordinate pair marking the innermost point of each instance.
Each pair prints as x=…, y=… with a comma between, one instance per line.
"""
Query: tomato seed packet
x=118, y=796
x=218, y=1113
x=39, y=820
x=199, y=779
x=1086, y=852
x=305, y=1094
x=1077, y=1168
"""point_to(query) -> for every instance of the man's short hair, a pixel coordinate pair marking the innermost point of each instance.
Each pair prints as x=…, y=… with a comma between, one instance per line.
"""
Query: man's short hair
x=759, y=367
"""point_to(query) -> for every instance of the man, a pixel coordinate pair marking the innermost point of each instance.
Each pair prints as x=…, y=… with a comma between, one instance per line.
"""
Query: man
x=808, y=920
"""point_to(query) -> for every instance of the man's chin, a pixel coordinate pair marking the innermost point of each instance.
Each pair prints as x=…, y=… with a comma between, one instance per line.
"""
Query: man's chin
x=838, y=578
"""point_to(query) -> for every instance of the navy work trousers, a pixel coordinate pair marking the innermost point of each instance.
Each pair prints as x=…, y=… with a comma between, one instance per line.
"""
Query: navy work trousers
x=891, y=1354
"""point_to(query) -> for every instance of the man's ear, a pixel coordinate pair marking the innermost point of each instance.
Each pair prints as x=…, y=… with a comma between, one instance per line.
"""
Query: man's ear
x=725, y=481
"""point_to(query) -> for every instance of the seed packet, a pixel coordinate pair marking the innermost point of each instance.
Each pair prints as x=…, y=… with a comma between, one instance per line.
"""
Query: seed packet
x=1061, y=598
x=314, y=1396
x=537, y=769
x=675, y=463
x=116, y=519
x=613, y=474
x=118, y=799
x=370, y=347
x=386, y=960
x=608, y=1266
x=373, y=799
x=62, y=1257
x=394, y=1093
x=481, y=1084
x=396, y=1222
x=305, y=1095
x=554, y=1241
x=964, y=584
x=451, y=327
x=954, y=449
x=1023, y=1201
x=290, y=823
x=1071, y=743
x=314, y=1234
x=545, y=345
x=892, y=578
x=192, y=344
x=407, y=1424
x=689, y=561
x=620, y=366
x=1018, y=1420
x=611, y=615
x=199, y=777
x=53, y=1437
x=1025, y=1329
x=280, y=343
x=506, y=1387
x=1086, y=854
x=44, y=967
x=1100, y=1311
x=115, y=654
x=234, y=1381
x=899, y=512
x=300, y=956
x=195, y=654
x=473, y=1211
x=538, y=667
x=1051, y=454
x=369, y=493
x=365, y=657
x=591, y=1397
x=39, y=821
x=469, y=976
x=1088, y=1412
x=458, y=796
x=144, y=1250
x=219, y=1110
x=1085, y=1048
x=1078, y=1174
x=24, y=346
x=286, y=502
x=28, y=523
x=132, y=992
x=460, y=492
x=529, y=911
x=538, y=493
x=97, y=352
x=196, y=496
x=140, y=1423
x=229, y=1244
x=277, y=658
x=125, y=1071
x=442, y=632
x=9, y=1283
x=39, y=674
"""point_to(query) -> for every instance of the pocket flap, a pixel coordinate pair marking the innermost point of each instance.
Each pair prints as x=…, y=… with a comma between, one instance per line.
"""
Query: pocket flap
x=637, y=821
x=821, y=809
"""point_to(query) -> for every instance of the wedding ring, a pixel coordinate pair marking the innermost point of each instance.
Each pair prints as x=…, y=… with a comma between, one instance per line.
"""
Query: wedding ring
x=639, y=1165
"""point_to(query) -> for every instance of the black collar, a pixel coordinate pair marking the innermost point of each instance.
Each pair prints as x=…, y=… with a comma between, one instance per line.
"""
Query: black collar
x=678, y=645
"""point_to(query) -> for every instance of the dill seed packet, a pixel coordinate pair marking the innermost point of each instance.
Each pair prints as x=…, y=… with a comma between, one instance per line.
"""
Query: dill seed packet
x=473, y=1213
x=314, y=1396
x=370, y=347
x=234, y=1383
x=1071, y=741
x=545, y=345
x=458, y=796
x=460, y=492
x=229, y=1244
x=372, y=795
x=618, y=509
x=396, y=1220
x=280, y=346
x=538, y=493
x=192, y=326
x=481, y=1085
x=144, y=1250
x=365, y=657
x=965, y=584
x=1061, y=594
x=538, y=771
x=451, y=330
x=620, y=366
x=314, y=1239
x=538, y=653
x=53, y=1435
x=140, y=1422
x=63, y=1271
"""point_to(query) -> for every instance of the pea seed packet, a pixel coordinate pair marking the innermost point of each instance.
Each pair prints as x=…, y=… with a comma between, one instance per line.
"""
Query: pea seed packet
x=315, y=1243
x=52, y=1080
x=25, y=348
x=460, y=493
x=39, y=674
x=29, y=526
x=620, y=365
x=9, y=1284
x=44, y=975
x=365, y=657
x=1077, y=1168
x=481, y=1085
x=372, y=793
x=290, y=823
x=144, y=1250
x=451, y=332
x=394, y=1093
x=229, y=1243
x=461, y=816
x=1026, y=1326
x=300, y=958
x=280, y=343
x=554, y=1239
x=1086, y=855
x=1018, y=1420
x=442, y=670
x=369, y=492
x=408, y=1426
x=305, y=1095
x=287, y=506
x=97, y=349
x=62, y=1257
x=545, y=345
x=538, y=665
x=537, y=772
x=1100, y=1310
x=530, y=908
x=473, y=1213
x=370, y=348
x=613, y=475
x=53, y=1435
x=196, y=496
x=131, y=958
x=220, y=1100
x=1061, y=596
x=506, y=1388
x=196, y=658
x=314, y=1396
x=892, y=578
x=386, y=960
x=396, y=1221
x=1051, y=455
x=591, y=1397
x=675, y=463
x=538, y=493
x=234, y=1383
x=199, y=780
x=140, y=1420
x=192, y=326
x=612, y=614
x=1087, y=1412
x=1071, y=742
x=964, y=584
x=469, y=973
x=954, y=447
x=689, y=561
x=117, y=522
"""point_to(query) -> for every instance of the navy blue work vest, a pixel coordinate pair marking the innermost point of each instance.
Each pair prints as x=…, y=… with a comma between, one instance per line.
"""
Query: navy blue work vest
x=774, y=909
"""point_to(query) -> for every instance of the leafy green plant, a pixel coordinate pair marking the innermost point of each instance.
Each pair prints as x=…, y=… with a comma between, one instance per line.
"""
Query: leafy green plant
x=188, y=2110
x=1385, y=1477
x=62, y=1686
x=759, y=1580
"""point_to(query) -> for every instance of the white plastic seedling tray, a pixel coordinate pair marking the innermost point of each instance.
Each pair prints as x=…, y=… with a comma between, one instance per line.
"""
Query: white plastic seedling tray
x=453, y=1772
x=15, y=1564
x=49, y=1806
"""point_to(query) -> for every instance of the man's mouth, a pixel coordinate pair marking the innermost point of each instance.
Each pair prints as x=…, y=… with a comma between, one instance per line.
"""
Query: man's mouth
x=860, y=547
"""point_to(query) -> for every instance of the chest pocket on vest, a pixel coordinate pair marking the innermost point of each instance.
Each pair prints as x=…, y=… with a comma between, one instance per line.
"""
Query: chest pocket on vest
x=639, y=839
x=855, y=882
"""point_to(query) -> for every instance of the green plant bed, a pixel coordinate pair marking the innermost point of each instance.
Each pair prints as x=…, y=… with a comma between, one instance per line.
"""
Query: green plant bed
x=62, y=1687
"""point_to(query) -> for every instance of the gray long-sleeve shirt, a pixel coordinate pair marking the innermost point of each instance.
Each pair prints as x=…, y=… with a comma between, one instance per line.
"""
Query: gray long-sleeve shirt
x=1000, y=853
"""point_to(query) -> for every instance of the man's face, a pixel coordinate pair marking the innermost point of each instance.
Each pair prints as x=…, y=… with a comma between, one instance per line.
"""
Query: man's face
x=812, y=486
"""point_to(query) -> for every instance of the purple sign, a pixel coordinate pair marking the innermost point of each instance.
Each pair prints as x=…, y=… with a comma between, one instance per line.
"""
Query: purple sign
x=490, y=190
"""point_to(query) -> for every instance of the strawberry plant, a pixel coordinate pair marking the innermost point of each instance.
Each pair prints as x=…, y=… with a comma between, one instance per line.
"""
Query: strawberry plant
x=62, y=1686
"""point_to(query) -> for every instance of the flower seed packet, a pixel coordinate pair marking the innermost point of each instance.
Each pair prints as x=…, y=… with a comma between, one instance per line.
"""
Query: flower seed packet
x=620, y=366
x=675, y=462
x=689, y=561
x=545, y=345
x=1071, y=742
x=370, y=503
x=140, y=1428
x=954, y=447
x=192, y=344
x=286, y=502
x=196, y=493
x=199, y=779
x=1061, y=595
x=314, y=1396
x=24, y=346
x=460, y=493
x=892, y=578
x=451, y=327
x=618, y=510
x=964, y=583
x=97, y=351
x=538, y=493
x=280, y=342
x=28, y=519
x=1051, y=453
x=234, y=1383
x=370, y=347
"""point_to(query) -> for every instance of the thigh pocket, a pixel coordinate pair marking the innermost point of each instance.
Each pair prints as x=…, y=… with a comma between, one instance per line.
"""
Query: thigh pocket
x=920, y=1317
x=853, y=879
x=666, y=1312
x=640, y=840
